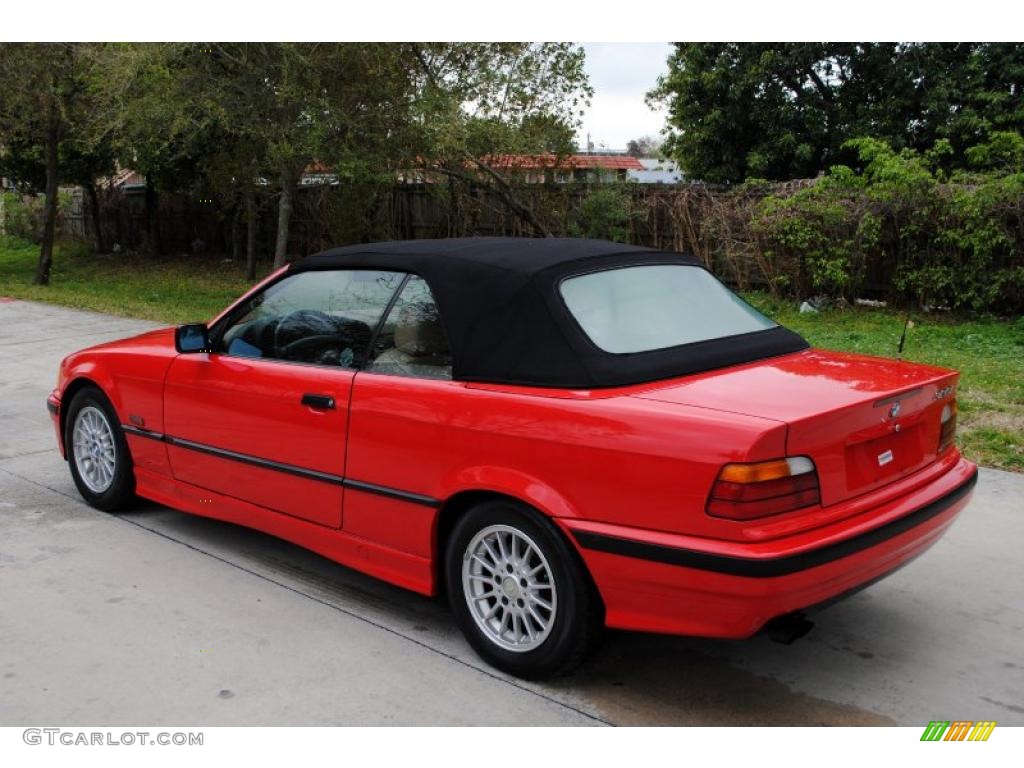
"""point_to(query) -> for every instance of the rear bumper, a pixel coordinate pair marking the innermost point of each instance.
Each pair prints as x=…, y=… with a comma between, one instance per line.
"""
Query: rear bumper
x=659, y=582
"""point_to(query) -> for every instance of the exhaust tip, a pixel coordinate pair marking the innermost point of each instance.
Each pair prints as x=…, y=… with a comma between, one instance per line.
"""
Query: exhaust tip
x=788, y=628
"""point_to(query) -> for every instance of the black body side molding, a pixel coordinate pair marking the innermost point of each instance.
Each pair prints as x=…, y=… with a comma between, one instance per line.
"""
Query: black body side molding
x=777, y=566
x=290, y=469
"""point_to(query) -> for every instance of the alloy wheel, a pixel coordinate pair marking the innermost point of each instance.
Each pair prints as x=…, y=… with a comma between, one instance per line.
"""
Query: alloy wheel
x=94, y=448
x=509, y=587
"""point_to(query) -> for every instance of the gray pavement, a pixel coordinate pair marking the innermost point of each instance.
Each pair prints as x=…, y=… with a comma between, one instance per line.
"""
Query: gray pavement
x=156, y=617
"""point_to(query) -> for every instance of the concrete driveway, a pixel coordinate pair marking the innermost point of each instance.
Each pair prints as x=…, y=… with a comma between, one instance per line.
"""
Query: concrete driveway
x=159, y=618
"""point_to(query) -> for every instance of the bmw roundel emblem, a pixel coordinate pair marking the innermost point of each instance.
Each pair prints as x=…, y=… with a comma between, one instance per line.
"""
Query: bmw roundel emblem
x=894, y=411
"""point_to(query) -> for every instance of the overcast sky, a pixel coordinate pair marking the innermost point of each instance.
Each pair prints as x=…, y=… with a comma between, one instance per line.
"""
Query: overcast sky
x=621, y=74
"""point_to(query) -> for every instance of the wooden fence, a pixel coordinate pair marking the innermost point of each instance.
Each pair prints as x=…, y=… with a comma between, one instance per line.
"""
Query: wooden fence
x=713, y=223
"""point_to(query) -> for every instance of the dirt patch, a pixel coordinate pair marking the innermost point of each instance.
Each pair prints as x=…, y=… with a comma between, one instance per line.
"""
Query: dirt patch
x=1010, y=420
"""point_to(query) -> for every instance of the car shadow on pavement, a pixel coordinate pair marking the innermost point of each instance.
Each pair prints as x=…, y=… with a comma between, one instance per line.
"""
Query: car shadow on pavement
x=632, y=678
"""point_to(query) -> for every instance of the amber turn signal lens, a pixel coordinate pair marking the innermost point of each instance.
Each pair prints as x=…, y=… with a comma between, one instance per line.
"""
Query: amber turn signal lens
x=749, y=491
x=766, y=470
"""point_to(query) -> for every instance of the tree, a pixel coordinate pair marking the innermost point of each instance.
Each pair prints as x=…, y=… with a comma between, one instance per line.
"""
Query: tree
x=371, y=111
x=478, y=100
x=168, y=125
x=45, y=96
x=256, y=115
x=785, y=110
x=294, y=104
x=84, y=162
x=245, y=120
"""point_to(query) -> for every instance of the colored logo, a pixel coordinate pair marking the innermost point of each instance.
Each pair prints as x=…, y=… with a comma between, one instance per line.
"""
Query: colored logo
x=958, y=730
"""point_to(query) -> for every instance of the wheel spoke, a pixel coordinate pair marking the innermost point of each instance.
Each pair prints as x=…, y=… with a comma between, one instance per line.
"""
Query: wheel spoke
x=535, y=571
x=541, y=602
x=530, y=634
x=528, y=553
x=536, y=617
x=490, y=552
x=483, y=563
x=504, y=622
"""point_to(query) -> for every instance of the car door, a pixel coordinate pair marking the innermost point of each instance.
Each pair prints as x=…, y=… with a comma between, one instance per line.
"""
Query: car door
x=263, y=417
x=404, y=403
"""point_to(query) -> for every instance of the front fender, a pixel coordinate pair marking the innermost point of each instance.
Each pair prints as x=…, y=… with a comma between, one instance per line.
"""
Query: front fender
x=83, y=372
x=130, y=373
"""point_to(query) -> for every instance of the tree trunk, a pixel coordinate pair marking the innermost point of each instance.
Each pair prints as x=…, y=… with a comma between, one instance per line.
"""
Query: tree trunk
x=250, y=235
x=234, y=234
x=94, y=209
x=50, y=208
x=284, y=218
x=152, y=217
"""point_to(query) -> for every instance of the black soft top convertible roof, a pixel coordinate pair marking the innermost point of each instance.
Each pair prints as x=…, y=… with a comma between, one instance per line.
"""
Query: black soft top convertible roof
x=506, y=321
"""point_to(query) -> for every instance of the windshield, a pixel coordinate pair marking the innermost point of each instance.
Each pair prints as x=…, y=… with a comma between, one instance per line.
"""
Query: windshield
x=654, y=306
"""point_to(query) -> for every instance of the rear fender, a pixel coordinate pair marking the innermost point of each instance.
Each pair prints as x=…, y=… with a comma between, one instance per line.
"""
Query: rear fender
x=513, y=483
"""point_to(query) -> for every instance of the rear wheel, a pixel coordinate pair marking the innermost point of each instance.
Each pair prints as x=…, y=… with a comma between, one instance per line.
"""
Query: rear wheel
x=519, y=592
x=101, y=465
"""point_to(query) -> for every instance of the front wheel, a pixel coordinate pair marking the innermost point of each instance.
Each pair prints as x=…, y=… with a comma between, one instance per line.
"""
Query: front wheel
x=101, y=465
x=519, y=592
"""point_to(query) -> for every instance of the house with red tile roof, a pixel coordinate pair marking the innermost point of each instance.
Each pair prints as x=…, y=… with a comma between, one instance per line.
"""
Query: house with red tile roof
x=538, y=169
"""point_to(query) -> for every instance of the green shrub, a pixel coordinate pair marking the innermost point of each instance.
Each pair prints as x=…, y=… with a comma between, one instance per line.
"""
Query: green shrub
x=23, y=216
x=604, y=213
x=935, y=241
x=821, y=235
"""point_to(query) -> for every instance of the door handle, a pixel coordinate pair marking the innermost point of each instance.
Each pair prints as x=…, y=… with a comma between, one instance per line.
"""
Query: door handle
x=320, y=402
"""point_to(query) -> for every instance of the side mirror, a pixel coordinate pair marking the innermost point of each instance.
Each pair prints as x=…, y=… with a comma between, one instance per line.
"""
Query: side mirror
x=191, y=338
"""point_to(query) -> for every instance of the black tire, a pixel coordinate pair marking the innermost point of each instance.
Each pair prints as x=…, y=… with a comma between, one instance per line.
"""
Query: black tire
x=121, y=491
x=578, y=618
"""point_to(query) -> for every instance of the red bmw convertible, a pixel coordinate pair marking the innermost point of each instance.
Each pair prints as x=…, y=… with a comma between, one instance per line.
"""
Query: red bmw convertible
x=560, y=434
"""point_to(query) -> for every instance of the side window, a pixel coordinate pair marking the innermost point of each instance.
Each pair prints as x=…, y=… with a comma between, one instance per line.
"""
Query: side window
x=324, y=318
x=412, y=341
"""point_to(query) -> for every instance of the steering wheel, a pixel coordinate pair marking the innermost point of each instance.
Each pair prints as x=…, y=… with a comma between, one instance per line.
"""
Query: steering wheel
x=322, y=340
x=328, y=340
x=311, y=346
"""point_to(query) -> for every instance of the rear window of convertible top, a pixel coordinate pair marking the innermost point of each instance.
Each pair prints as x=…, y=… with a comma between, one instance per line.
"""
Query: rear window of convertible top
x=655, y=306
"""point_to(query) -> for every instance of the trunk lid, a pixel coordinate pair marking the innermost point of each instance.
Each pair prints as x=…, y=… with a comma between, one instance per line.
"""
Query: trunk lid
x=865, y=421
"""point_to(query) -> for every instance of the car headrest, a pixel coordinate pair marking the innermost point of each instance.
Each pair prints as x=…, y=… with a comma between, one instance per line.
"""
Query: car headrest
x=418, y=332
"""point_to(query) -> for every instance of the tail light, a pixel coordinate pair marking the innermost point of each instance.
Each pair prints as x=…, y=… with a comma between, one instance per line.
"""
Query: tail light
x=948, y=425
x=749, y=491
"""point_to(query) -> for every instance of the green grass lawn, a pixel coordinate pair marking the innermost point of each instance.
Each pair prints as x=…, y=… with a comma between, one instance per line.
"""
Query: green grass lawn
x=989, y=352
x=169, y=289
